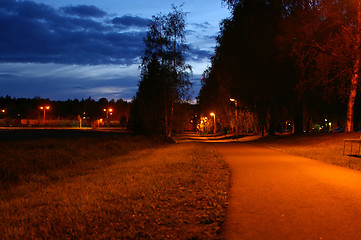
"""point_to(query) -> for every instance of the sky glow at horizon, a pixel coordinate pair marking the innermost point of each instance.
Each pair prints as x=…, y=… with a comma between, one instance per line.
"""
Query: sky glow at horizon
x=67, y=49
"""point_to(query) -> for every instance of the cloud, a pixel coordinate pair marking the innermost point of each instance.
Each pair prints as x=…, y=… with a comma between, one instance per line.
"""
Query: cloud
x=204, y=25
x=131, y=21
x=84, y=11
x=39, y=33
x=61, y=82
x=198, y=55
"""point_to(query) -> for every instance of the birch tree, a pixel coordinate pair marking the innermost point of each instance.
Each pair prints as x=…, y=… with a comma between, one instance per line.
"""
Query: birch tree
x=163, y=71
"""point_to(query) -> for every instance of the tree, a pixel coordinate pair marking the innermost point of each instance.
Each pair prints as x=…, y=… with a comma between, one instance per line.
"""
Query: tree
x=164, y=74
x=248, y=64
x=326, y=41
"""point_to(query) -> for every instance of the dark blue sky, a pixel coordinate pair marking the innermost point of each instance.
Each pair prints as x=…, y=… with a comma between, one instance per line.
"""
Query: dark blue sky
x=62, y=49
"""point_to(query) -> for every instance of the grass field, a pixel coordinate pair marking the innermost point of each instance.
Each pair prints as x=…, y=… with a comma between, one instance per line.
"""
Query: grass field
x=112, y=187
x=324, y=147
x=28, y=153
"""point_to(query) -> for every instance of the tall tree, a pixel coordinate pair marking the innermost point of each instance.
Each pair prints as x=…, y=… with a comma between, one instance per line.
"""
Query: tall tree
x=248, y=64
x=164, y=73
x=326, y=41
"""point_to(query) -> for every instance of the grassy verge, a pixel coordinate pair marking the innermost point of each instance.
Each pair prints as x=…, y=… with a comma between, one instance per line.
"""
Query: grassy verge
x=21, y=160
x=323, y=147
x=172, y=192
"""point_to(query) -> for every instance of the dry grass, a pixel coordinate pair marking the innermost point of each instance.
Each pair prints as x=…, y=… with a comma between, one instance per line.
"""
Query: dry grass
x=20, y=160
x=324, y=147
x=172, y=192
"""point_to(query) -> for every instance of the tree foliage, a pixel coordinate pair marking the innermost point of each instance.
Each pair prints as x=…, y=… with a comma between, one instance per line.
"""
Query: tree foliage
x=164, y=74
x=286, y=60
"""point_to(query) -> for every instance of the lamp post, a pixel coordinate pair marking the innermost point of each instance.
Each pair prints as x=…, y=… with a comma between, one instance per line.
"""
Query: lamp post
x=109, y=111
x=235, y=104
x=44, y=108
x=214, y=122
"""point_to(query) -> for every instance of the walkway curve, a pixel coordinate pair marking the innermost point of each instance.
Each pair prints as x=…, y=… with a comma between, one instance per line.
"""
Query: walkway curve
x=279, y=196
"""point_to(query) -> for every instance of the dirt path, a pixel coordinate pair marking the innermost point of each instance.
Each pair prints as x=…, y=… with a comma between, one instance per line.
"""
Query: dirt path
x=279, y=196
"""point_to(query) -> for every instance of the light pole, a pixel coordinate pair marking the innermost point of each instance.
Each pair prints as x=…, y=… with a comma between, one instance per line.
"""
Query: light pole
x=214, y=122
x=235, y=104
x=44, y=108
x=109, y=111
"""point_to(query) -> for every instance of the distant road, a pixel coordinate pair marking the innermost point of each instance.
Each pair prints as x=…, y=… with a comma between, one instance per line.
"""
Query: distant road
x=279, y=196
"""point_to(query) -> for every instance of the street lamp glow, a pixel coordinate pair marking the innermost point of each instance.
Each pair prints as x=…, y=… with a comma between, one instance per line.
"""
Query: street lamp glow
x=3, y=110
x=214, y=121
x=44, y=108
x=109, y=111
x=236, y=115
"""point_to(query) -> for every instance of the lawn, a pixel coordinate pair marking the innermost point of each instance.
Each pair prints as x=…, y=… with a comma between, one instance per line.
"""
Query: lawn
x=158, y=191
x=327, y=147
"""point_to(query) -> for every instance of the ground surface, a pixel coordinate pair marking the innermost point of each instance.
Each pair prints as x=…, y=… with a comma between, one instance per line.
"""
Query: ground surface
x=69, y=184
x=275, y=195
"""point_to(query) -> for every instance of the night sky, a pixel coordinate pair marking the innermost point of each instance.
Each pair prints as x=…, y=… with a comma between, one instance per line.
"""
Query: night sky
x=67, y=49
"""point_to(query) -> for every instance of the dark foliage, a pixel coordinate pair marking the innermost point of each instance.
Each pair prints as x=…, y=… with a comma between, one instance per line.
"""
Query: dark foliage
x=26, y=108
x=164, y=75
x=286, y=61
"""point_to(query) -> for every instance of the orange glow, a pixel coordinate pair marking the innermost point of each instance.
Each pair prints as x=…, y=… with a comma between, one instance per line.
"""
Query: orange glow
x=104, y=110
x=3, y=110
x=212, y=114
x=44, y=107
x=110, y=109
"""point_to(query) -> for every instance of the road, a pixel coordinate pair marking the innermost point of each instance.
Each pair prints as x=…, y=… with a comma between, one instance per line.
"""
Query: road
x=279, y=196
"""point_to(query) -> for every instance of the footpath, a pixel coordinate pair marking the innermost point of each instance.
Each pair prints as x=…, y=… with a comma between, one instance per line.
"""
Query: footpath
x=279, y=196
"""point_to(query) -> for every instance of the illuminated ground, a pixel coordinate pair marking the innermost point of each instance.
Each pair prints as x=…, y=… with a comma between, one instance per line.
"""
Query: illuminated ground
x=279, y=196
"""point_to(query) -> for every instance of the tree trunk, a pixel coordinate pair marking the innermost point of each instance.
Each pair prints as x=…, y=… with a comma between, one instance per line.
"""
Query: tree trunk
x=355, y=76
x=352, y=97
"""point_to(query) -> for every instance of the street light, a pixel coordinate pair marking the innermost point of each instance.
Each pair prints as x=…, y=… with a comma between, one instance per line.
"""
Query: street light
x=109, y=111
x=235, y=104
x=214, y=122
x=44, y=108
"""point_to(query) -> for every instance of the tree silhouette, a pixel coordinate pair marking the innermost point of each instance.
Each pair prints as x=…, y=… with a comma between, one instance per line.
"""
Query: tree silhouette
x=164, y=74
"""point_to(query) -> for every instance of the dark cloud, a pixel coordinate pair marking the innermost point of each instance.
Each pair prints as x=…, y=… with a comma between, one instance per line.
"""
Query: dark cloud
x=203, y=25
x=7, y=75
x=32, y=32
x=197, y=54
x=84, y=11
x=130, y=21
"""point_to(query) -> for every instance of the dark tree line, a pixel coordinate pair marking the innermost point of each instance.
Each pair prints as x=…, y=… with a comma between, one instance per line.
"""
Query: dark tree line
x=26, y=108
x=292, y=61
